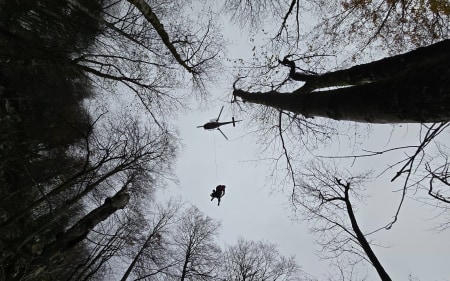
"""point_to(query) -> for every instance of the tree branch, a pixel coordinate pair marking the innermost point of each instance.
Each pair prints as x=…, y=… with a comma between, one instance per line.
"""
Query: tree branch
x=151, y=17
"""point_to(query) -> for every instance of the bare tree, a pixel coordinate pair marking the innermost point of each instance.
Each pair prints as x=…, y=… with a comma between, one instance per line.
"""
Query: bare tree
x=389, y=25
x=328, y=203
x=194, y=250
x=252, y=13
x=52, y=252
x=150, y=257
x=127, y=157
x=377, y=92
x=258, y=261
x=149, y=49
x=351, y=27
x=102, y=249
x=297, y=109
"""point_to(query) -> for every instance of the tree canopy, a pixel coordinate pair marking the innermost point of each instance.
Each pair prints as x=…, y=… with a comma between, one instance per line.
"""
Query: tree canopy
x=88, y=90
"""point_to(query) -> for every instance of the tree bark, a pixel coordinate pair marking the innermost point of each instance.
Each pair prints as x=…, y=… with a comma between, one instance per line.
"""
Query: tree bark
x=374, y=71
x=78, y=232
x=418, y=94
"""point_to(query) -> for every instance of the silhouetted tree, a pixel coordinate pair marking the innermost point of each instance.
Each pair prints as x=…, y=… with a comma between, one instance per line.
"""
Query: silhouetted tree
x=149, y=258
x=299, y=83
x=194, y=251
x=52, y=252
x=411, y=87
x=54, y=157
x=258, y=261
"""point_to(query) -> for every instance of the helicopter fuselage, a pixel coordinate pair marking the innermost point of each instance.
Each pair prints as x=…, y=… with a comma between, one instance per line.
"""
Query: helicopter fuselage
x=214, y=125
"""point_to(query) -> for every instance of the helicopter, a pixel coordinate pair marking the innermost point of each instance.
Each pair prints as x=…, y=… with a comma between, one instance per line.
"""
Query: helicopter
x=215, y=124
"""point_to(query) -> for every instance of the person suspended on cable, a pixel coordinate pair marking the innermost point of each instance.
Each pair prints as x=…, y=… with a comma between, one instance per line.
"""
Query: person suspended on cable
x=218, y=193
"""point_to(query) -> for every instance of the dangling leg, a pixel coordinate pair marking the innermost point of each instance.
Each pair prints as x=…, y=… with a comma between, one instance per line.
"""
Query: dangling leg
x=218, y=201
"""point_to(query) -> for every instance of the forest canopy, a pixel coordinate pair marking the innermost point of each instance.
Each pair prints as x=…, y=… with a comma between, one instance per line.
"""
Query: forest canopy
x=89, y=91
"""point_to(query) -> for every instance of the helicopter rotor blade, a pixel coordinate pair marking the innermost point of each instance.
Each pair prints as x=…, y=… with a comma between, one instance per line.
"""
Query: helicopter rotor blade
x=219, y=114
x=222, y=133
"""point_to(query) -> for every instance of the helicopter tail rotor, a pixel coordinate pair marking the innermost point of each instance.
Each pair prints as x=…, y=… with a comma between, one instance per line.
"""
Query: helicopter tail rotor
x=235, y=121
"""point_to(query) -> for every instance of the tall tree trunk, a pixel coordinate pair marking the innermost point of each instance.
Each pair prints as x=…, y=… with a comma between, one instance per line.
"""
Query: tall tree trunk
x=153, y=19
x=77, y=232
x=418, y=94
x=374, y=71
x=137, y=257
x=184, y=271
x=384, y=276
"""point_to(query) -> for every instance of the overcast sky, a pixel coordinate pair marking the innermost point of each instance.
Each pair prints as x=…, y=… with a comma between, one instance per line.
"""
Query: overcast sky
x=254, y=210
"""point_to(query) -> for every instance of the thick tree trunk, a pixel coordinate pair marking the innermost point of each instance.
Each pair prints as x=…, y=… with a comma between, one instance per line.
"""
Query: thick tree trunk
x=78, y=232
x=377, y=70
x=419, y=94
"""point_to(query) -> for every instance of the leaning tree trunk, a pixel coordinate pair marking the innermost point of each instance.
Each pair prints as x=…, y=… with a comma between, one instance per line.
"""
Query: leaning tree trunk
x=419, y=93
x=64, y=242
x=384, y=276
x=153, y=19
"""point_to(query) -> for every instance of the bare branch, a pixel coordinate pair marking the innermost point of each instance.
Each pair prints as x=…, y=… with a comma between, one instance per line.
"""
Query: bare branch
x=153, y=19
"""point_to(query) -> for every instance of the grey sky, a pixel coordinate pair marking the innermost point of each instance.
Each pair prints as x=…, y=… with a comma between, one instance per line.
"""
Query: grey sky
x=253, y=209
